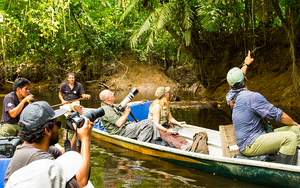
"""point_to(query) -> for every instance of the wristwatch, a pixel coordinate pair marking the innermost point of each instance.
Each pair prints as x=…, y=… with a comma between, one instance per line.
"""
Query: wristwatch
x=245, y=64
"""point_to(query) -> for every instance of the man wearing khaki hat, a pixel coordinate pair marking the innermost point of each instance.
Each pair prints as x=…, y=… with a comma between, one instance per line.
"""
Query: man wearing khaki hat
x=247, y=113
x=39, y=130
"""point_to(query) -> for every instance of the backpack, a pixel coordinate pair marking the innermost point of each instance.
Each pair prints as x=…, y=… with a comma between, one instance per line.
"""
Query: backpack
x=199, y=143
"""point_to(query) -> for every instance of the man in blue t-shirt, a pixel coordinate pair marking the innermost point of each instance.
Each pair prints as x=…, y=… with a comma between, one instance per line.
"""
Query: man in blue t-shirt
x=248, y=111
x=69, y=91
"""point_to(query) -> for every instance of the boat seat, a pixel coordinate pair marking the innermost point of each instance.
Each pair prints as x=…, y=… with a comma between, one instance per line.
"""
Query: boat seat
x=230, y=148
x=228, y=141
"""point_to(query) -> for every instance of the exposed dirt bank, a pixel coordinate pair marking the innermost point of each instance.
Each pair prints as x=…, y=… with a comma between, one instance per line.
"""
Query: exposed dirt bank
x=271, y=81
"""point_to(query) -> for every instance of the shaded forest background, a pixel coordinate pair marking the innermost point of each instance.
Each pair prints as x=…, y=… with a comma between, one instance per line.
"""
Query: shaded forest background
x=191, y=41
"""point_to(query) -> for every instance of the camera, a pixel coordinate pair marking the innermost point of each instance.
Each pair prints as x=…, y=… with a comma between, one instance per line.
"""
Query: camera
x=129, y=97
x=79, y=121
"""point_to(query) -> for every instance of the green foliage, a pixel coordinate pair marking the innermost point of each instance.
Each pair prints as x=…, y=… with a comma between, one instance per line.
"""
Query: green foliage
x=54, y=37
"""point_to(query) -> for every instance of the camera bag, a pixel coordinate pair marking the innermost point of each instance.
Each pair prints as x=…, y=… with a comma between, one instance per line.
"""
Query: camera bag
x=8, y=145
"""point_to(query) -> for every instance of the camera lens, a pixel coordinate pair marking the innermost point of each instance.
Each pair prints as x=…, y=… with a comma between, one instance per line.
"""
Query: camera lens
x=94, y=114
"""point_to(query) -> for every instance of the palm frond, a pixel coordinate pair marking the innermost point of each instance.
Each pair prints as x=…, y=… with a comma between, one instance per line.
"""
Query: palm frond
x=178, y=53
x=146, y=25
x=209, y=17
x=150, y=44
x=128, y=9
x=188, y=17
x=163, y=15
x=187, y=37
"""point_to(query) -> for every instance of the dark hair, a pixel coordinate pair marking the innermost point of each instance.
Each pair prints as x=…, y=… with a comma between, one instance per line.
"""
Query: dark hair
x=241, y=84
x=73, y=74
x=20, y=83
x=34, y=135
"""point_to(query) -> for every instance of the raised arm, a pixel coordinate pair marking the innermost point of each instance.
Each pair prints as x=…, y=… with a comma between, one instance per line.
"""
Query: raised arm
x=248, y=61
x=17, y=110
x=84, y=134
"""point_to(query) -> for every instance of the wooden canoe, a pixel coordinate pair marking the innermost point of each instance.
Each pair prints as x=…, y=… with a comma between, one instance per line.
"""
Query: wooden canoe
x=265, y=173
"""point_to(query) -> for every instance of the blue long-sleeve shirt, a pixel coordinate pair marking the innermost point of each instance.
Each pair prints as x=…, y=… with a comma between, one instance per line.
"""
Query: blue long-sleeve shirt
x=248, y=110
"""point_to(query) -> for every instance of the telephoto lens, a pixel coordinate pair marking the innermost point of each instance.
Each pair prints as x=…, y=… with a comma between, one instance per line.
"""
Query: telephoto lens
x=129, y=97
x=79, y=121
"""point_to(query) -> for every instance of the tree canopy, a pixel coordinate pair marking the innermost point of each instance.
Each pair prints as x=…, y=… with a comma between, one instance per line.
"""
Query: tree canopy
x=48, y=38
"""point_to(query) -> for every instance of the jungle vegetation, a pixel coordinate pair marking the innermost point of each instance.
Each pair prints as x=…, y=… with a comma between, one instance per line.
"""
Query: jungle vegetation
x=45, y=39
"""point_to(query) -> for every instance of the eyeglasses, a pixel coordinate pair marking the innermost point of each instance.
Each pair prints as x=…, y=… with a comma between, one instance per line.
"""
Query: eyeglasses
x=58, y=124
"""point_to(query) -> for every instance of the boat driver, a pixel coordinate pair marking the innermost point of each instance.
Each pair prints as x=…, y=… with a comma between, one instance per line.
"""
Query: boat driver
x=69, y=91
x=248, y=110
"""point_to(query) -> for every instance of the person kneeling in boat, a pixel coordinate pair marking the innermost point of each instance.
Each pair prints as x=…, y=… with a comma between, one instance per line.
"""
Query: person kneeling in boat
x=39, y=130
x=116, y=122
x=159, y=112
x=248, y=110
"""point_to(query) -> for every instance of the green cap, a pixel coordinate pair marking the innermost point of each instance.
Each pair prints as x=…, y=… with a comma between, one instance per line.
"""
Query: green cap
x=161, y=92
x=235, y=77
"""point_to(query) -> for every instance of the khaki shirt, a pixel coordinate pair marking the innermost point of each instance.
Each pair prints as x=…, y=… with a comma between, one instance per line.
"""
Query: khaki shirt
x=112, y=114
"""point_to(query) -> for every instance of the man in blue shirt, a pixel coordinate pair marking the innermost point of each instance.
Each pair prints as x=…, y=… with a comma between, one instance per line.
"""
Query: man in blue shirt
x=247, y=112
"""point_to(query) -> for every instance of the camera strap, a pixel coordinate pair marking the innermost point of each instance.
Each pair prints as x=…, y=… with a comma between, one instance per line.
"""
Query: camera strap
x=112, y=108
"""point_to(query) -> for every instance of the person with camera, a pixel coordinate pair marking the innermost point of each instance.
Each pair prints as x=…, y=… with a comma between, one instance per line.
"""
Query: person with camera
x=70, y=91
x=13, y=104
x=116, y=122
x=39, y=130
x=159, y=112
x=247, y=113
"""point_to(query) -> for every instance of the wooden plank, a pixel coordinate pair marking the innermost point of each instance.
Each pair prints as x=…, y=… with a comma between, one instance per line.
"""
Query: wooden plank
x=228, y=140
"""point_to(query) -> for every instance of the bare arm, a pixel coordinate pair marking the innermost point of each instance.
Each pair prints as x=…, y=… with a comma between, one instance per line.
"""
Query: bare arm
x=123, y=118
x=17, y=110
x=60, y=96
x=156, y=117
x=285, y=119
x=85, y=96
x=84, y=134
x=174, y=121
x=135, y=102
x=248, y=61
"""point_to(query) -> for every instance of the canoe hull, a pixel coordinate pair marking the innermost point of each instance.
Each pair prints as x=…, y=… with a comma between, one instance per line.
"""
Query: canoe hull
x=265, y=173
x=234, y=168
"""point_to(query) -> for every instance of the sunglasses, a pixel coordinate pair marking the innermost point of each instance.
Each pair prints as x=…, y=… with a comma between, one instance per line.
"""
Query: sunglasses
x=58, y=124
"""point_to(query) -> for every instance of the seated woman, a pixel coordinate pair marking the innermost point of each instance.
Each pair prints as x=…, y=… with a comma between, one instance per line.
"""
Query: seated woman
x=159, y=113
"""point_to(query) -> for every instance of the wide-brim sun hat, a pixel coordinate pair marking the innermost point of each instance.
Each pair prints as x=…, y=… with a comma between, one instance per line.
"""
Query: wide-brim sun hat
x=39, y=113
x=161, y=92
x=47, y=173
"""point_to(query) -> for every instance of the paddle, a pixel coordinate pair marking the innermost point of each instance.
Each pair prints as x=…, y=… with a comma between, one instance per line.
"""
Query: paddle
x=66, y=102
x=2, y=95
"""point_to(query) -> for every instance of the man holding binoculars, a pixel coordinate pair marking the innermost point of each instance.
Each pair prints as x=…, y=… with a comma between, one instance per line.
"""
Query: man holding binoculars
x=39, y=130
x=116, y=122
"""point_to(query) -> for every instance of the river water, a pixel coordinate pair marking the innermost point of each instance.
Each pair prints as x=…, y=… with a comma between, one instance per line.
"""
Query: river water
x=113, y=166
